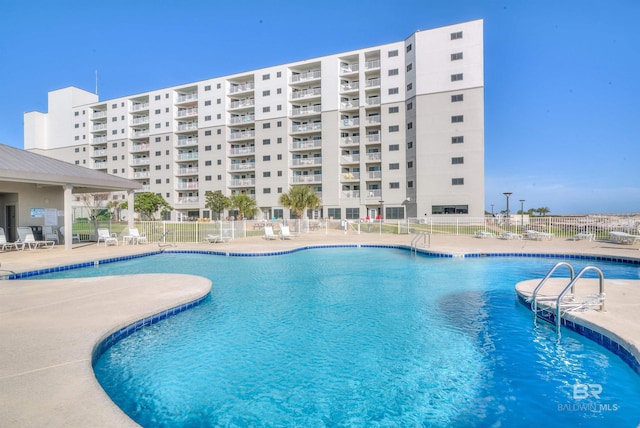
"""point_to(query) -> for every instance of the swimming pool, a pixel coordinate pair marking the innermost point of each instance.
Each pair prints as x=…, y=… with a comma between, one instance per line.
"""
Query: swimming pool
x=361, y=337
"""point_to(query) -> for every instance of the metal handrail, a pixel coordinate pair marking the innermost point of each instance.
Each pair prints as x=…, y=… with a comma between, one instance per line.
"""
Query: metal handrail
x=414, y=241
x=571, y=286
x=534, y=295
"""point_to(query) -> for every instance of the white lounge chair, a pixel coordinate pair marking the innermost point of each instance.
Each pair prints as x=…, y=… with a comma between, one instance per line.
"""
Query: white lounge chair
x=268, y=233
x=624, y=238
x=74, y=236
x=106, y=237
x=213, y=239
x=484, y=234
x=50, y=234
x=133, y=236
x=27, y=239
x=285, y=233
x=4, y=245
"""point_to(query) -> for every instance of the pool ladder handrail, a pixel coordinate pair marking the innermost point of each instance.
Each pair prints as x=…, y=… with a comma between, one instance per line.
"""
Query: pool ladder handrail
x=416, y=238
x=569, y=287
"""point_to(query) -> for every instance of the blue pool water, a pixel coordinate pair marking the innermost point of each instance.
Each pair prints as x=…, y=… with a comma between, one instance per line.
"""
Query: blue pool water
x=362, y=337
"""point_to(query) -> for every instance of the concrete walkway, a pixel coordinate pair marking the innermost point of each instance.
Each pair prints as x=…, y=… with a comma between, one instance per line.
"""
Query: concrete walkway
x=48, y=328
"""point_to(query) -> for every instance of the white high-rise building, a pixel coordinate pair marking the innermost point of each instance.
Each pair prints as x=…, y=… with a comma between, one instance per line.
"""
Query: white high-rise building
x=395, y=129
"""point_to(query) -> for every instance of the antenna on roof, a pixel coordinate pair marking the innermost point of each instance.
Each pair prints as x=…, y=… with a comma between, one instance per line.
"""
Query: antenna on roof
x=96, y=82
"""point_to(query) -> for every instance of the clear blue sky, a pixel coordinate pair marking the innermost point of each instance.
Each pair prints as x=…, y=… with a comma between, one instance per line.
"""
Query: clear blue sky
x=562, y=77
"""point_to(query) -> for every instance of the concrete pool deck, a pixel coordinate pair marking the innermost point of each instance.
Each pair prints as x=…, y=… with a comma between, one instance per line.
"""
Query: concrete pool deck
x=49, y=328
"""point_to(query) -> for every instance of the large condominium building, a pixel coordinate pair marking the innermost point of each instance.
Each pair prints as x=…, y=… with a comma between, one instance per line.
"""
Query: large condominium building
x=395, y=130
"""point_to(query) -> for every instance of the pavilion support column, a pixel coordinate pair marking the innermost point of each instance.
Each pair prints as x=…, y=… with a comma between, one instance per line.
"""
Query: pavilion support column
x=68, y=213
x=130, y=198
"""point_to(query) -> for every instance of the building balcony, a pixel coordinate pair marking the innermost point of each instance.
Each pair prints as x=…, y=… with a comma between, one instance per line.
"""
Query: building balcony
x=313, y=178
x=301, y=111
x=140, y=107
x=98, y=140
x=138, y=175
x=236, y=89
x=306, y=162
x=242, y=182
x=245, y=118
x=140, y=120
x=99, y=165
x=306, y=93
x=145, y=188
x=187, y=171
x=186, y=98
x=374, y=175
x=187, y=156
x=307, y=127
x=350, y=141
x=349, y=68
x=372, y=64
x=187, y=141
x=186, y=185
x=306, y=145
x=140, y=147
x=350, y=87
x=187, y=127
x=187, y=112
x=373, y=138
x=143, y=133
x=242, y=104
x=373, y=193
x=306, y=77
x=99, y=127
x=373, y=120
x=188, y=200
x=373, y=101
x=374, y=157
x=140, y=161
x=349, y=123
x=235, y=151
x=372, y=83
x=99, y=115
x=348, y=105
x=246, y=166
x=350, y=176
x=350, y=194
x=349, y=159
x=242, y=135
x=100, y=153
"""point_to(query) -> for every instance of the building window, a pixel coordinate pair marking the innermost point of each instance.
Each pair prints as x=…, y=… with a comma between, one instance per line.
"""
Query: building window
x=457, y=181
x=207, y=132
x=409, y=48
x=410, y=184
x=394, y=128
x=394, y=213
x=393, y=91
x=279, y=91
x=394, y=185
x=207, y=103
x=266, y=77
x=158, y=111
x=219, y=131
x=207, y=148
x=218, y=101
x=394, y=147
x=218, y=86
x=409, y=164
x=207, y=88
x=207, y=163
x=409, y=87
x=279, y=74
x=457, y=98
x=266, y=142
x=409, y=67
x=266, y=93
x=279, y=189
x=279, y=125
x=457, y=140
x=266, y=174
x=395, y=109
x=266, y=109
x=218, y=116
x=352, y=213
x=266, y=190
x=279, y=156
x=334, y=213
x=410, y=125
x=456, y=56
x=457, y=161
x=450, y=209
x=219, y=177
x=266, y=125
x=393, y=166
x=219, y=162
x=410, y=145
x=409, y=106
x=207, y=118
x=457, y=119
x=279, y=140
x=456, y=77
x=207, y=178
x=393, y=72
x=157, y=98
x=279, y=173
x=77, y=113
x=219, y=147
x=158, y=153
x=266, y=158
x=456, y=35
x=77, y=150
x=77, y=138
x=279, y=107
x=393, y=53
x=158, y=167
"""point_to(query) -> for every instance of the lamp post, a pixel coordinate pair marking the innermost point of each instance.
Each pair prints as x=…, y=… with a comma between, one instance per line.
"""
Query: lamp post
x=491, y=210
x=507, y=194
x=521, y=215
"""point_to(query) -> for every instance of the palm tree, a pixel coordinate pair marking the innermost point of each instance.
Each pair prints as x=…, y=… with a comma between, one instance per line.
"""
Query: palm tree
x=299, y=199
x=543, y=210
x=245, y=205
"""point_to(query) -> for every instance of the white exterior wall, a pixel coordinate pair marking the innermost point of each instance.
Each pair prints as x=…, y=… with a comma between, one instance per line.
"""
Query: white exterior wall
x=143, y=137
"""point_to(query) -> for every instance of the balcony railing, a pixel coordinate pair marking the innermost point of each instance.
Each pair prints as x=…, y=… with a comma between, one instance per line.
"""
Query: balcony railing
x=193, y=141
x=373, y=193
x=350, y=159
x=242, y=182
x=140, y=134
x=372, y=83
x=140, y=106
x=98, y=114
x=315, y=92
x=247, y=166
x=314, y=161
x=191, y=96
x=191, y=126
x=298, y=111
x=243, y=135
x=188, y=200
x=99, y=140
x=140, y=120
x=351, y=122
x=140, y=147
x=314, y=178
x=349, y=68
x=184, y=112
x=374, y=157
x=308, y=144
x=350, y=104
x=350, y=194
x=141, y=174
x=374, y=175
x=233, y=89
x=99, y=127
x=242, y=150
x=242, y=103
x=187, y=171
x=373, y=101
x=99, y=153
x=99, y=165
x=303, y=77
x=373, y=138
x=187, y=156
x=370, y=65
x=187, y=185
x=347, y=87
x=246, y=118
x=350, y=141
x=306, y=127
x=140, y=161
x=348, y=176
x=373, y=119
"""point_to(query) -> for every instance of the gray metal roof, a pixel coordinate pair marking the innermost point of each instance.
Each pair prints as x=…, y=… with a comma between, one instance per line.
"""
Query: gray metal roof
x=18, y=165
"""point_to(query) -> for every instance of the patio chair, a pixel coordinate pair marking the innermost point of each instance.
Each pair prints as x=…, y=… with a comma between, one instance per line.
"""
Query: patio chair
x=285, y=233
x=50, y=234
x=106, y=237
x=268, y=233
x=4, y=245
x=74, y=236
x=133, y=236
x=27, y=239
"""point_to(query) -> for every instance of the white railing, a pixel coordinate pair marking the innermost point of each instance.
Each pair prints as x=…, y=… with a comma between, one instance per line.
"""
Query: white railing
x=309, y=75
x=191, y=96
x=350, y=194
x=141, y=174
x=241, y=88
x=351, y=122
x=349, y=68
x=242, y=103
x=99, y=127
x=140, y=161
x=306, y=110
x=350, y=86
x=242, y=166
x=99, y=165
x=188, y=200
x=306, y=161
x=242, y=135
x=140, y=147
x=99, y=153
x=99, y=140
x=374, y=157
x=306, y=127
x=308, y=144
x=187, y=171
x=350, y=176
x=242, y=119
x=349, y=158
x=140, y=106
x=242, y=182
x=140, y=134
x=182, y=141
x=242, y=150
x=187, y=156
x=373, y=101
x=183, y=112
x=373, y=119
x=350, y=104
x=191, y=126
x=373, y=138
x=370, y=83
x=306, y=93
x=350, y=141
x=374, y=175
x=372, y=64
x=182, y=185
x=314, y=178
x=98, y=114
x=140, y=120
